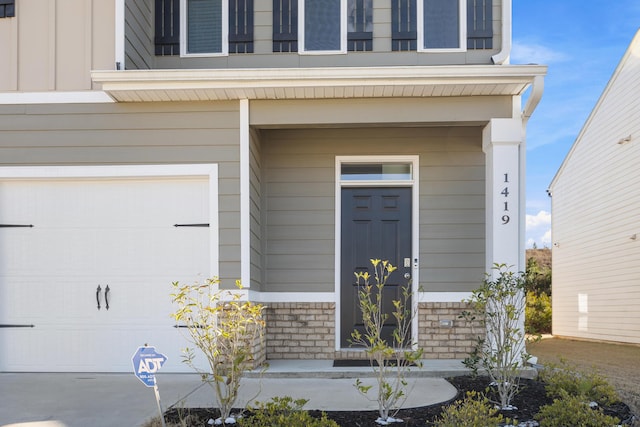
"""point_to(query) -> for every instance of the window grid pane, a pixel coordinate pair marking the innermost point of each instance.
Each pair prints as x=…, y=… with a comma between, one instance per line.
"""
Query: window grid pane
x=204, y=26
x=441, y=24
x=375, y=171
x=322, y=25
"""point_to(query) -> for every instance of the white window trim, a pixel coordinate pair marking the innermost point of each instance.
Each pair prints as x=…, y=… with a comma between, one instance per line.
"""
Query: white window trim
x=462, y=22
x=119, y=33
x=183, y=33
x=343, y=32
x=414, y=183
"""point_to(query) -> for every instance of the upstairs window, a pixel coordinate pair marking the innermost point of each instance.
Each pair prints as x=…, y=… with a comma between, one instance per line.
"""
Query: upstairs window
x=441, y=25
x=7, y=8
x=204, y=27
x=322, y=26
x=169, y=28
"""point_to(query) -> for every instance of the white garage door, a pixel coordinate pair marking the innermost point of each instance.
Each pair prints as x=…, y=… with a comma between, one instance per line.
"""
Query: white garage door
x=86, y=266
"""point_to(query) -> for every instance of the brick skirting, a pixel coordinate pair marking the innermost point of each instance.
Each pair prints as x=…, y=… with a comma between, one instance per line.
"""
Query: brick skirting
x=298, y=330
x=437, y=338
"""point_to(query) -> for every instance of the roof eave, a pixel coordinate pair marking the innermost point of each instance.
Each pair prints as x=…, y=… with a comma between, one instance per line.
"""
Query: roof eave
x=316, y=83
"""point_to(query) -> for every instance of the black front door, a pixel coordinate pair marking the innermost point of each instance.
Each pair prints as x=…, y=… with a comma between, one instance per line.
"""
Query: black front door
x=376, y=224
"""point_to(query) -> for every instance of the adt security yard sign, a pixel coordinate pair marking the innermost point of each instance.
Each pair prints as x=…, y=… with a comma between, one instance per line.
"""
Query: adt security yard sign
x=146, y=362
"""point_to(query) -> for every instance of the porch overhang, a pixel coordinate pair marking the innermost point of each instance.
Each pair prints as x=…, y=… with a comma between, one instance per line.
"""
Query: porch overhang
x=317, y=83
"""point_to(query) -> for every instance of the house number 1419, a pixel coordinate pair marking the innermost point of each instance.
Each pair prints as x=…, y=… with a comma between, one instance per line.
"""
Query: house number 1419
x=505, y=192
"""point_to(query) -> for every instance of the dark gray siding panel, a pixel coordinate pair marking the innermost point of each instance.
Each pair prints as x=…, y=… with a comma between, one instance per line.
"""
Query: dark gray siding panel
x=299, y=202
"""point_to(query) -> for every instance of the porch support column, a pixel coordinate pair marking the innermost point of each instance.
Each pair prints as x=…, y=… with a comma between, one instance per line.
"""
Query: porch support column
x=504, y=177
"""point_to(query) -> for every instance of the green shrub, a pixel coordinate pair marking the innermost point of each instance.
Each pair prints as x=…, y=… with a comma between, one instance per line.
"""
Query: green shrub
x=538, y=278
x=283, y=412
x=569, y=411
x=474, y=411
x=499, y=305
x=588, y=386
x=538, y=313
x=399, y=349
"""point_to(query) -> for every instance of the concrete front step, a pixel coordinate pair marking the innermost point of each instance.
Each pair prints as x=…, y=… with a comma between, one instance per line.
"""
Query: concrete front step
x=295, y=368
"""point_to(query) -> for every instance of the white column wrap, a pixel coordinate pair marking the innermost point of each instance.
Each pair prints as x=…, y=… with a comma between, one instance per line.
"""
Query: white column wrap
x=501, y=140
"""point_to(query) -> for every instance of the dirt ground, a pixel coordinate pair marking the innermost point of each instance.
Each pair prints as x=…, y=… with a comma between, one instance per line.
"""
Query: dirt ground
x=619, y=363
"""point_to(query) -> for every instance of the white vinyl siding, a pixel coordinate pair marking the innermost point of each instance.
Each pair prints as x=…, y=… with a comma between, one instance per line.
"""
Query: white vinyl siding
x=595, y=205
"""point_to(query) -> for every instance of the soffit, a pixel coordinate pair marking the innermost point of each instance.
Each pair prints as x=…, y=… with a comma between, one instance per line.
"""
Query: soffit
x=316, y=83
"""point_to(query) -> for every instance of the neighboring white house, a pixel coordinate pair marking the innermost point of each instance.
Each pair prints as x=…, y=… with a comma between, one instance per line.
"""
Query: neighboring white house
x=596, y=217
x=282, y=142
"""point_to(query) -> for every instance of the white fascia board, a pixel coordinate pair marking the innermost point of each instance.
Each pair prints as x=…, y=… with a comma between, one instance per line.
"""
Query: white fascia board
x=291, y=77
x=84, y=97
x=273, y=297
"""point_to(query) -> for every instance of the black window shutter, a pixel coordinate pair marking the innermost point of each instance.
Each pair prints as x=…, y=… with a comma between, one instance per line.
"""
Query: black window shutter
x=479, y=24
x=404, y=25
x=240, y=26
x=167, y=22
x=358, y=38
x=285, y=25
x=7, y=8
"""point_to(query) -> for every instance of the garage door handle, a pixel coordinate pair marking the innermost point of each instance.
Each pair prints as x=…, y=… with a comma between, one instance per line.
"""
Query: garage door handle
x=106, y=297
x=98, y=296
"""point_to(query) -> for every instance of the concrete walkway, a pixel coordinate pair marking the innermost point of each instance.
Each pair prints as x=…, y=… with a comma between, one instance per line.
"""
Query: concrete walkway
x=107, y=400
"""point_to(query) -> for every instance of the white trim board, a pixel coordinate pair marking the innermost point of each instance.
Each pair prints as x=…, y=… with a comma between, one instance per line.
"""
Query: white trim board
x=80, y=97
x=304, y=297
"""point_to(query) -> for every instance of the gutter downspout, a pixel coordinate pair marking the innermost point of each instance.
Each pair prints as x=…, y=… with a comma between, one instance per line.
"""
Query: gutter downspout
x=502, y=57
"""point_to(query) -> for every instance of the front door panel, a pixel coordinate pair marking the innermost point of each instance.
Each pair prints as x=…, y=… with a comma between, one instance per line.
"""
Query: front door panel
x=376, y=224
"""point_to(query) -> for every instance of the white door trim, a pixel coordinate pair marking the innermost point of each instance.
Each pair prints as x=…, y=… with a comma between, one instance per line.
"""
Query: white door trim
x=121, y=171
x=415, y=221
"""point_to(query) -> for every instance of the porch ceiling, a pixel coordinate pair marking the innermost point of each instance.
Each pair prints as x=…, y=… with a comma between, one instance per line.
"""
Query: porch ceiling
x=317, y=83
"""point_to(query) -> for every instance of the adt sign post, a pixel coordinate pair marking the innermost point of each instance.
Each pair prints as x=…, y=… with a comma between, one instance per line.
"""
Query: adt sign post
x=146, y=362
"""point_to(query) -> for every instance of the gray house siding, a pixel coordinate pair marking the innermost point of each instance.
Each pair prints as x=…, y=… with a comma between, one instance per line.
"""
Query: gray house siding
x=255, y=199
x=139, y=34
x=135, y=134
x=381, y=55
x=299, y=202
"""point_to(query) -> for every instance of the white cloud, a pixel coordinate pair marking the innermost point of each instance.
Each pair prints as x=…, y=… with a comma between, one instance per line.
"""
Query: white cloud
x=533, y=53
x=539, y=229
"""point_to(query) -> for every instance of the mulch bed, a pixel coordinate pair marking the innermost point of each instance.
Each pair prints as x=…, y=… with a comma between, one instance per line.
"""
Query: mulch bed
x=528, y=401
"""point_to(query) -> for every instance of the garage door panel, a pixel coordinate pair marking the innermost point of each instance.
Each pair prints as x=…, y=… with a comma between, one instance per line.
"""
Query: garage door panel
x=97, y=232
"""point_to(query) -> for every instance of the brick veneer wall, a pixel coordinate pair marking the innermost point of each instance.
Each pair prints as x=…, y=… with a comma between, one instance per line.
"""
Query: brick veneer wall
x=300, y=330
x=443, y=342
x=297, y=330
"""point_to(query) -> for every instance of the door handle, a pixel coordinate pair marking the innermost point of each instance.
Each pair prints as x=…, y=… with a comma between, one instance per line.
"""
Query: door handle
x=106, y=297
x=407, y=276
x=98, y=296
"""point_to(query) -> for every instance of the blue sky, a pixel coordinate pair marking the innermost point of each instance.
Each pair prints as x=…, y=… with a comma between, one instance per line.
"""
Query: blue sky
x=582, y=42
